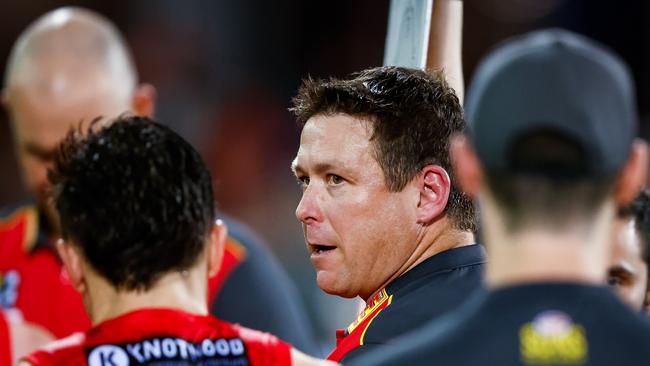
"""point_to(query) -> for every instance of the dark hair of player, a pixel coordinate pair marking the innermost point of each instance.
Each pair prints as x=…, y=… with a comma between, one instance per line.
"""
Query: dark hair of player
x=549, y=186
x=413, y=114
x=135, y=198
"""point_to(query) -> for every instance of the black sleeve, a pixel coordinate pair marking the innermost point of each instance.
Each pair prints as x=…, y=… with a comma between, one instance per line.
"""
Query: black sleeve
x=260, y=295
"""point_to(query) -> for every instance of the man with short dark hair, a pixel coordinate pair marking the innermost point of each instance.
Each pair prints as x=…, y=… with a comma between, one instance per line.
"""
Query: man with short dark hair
x=628, y=271
x=140, y=242
x=550, y=155
x=382, y=215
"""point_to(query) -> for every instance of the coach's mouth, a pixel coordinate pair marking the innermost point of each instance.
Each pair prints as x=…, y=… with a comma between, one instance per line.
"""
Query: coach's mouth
x=320, y=248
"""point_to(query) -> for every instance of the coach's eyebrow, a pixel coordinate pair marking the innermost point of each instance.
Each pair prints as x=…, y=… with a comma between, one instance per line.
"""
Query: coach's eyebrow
x=318, y=168
x=296, y=168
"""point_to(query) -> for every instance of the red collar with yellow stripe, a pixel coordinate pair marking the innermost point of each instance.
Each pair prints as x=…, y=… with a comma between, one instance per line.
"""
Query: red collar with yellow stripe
x=352, y=337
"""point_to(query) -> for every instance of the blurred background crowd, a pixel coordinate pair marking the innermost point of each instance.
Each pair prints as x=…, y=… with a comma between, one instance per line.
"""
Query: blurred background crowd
x=225, y=72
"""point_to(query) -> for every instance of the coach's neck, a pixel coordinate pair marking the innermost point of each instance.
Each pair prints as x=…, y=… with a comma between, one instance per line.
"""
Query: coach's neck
x=432, y=239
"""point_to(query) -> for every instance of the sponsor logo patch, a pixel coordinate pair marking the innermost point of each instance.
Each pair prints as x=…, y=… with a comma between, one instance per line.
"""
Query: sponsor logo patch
x=552, y=338
x=171, y=352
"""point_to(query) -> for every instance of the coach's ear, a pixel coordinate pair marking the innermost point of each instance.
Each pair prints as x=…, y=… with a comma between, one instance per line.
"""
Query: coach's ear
x=633, y=175
x=72, y=262
x=217, y=245
x=434, y=185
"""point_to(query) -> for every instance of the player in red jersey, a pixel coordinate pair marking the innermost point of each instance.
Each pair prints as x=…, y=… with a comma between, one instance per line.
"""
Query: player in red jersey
x=72, y=64
x=139, y=243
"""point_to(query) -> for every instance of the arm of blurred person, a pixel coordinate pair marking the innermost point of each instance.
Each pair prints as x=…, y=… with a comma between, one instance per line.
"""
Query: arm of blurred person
x=300, y=359
x=20, y=337
x=27, y=338
x=259, y=294
x=445, y=43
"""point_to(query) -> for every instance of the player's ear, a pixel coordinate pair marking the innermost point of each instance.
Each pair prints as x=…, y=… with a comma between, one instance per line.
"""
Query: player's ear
x=434, y=185
x=216, y=246
x=144, y=100
x=72, y=262
x=633, y=175
x=467, y=168
x=646, y=303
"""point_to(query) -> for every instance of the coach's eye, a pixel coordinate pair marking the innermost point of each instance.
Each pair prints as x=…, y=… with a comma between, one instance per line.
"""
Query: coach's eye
x=334, y=179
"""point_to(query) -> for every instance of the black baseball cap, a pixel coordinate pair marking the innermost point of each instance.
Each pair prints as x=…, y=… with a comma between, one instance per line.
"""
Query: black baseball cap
x=553, y=80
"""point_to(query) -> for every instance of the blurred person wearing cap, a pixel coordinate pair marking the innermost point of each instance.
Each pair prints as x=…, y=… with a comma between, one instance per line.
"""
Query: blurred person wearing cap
x=550, y=155
x=382, y=215
x=628, y=271
x=72, y=64
x=141, y=254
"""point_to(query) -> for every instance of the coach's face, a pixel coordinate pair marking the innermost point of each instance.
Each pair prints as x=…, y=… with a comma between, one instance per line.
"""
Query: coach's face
x=628, y=273
x=358, y=233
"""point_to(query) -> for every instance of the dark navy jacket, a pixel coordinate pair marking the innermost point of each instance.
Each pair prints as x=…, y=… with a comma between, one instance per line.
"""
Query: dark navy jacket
x=431, y=289
x=536, y=324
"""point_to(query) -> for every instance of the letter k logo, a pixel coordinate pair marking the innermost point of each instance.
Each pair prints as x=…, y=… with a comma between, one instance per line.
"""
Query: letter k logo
x=108, y=355
x=107, y=359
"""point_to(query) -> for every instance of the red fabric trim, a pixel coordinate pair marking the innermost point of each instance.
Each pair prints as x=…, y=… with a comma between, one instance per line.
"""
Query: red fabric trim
x=5, y=342
x=347, y=342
